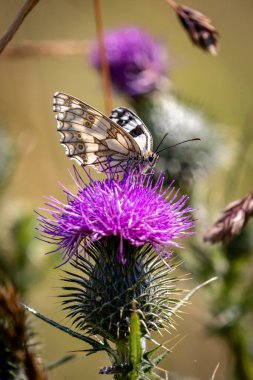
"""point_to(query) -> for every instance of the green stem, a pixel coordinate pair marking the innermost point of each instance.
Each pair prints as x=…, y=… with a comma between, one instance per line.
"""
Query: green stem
x=122, y=350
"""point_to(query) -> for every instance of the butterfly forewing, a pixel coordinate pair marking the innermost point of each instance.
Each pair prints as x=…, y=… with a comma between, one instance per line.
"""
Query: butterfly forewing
x=132, y=124
x=93, y=139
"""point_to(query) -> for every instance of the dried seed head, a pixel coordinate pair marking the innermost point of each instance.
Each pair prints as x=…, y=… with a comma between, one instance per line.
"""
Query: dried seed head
x=199, y=28
x=234, y=218
x=12, y=320
x=16, y=353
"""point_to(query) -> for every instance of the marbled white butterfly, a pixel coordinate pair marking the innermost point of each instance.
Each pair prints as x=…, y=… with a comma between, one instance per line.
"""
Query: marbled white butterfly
x=92, y=139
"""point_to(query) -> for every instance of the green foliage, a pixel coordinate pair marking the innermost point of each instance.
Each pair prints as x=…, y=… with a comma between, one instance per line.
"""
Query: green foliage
x=17, y=252
x=7, y=159
x=230, y=298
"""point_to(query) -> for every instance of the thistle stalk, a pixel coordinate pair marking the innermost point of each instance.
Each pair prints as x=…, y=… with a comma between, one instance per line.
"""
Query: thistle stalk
x=104, y=61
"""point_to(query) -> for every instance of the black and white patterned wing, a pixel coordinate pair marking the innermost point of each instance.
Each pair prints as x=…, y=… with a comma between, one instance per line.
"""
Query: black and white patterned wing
x=91, y=138
x=132, y=124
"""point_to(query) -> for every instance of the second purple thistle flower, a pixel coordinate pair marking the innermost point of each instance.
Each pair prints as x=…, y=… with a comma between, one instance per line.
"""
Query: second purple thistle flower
x=137, y=61
x=135, y=211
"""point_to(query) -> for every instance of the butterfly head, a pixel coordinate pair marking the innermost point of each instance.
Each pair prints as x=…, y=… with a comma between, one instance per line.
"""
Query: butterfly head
x=150, y=159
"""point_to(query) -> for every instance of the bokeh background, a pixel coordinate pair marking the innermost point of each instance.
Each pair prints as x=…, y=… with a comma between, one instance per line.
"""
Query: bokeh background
x=221, y=86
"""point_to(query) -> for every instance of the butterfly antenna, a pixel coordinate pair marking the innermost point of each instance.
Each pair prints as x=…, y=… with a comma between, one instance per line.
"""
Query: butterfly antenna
x=182, y=142
x=160, y=143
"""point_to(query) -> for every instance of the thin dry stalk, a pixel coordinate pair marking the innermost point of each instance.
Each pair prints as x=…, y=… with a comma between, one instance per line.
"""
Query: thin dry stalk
x=24, y=11
x=215, y=371
x=66, y=48
x=102, y=51
x=190, y=294
x=172, y=3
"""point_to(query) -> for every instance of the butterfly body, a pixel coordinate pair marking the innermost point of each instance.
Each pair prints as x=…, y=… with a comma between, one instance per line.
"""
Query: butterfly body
x=118, y=142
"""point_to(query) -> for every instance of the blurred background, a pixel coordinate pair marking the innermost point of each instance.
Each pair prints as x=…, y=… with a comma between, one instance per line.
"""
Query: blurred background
x=32, y=160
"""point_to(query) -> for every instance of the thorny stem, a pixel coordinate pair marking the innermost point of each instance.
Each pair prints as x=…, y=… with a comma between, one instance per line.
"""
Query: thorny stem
x=104, y=62
x=122, y=350
x=24, y=11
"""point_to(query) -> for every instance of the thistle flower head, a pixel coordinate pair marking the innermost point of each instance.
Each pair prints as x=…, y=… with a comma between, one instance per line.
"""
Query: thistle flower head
x=135, y=211
x=137, y=61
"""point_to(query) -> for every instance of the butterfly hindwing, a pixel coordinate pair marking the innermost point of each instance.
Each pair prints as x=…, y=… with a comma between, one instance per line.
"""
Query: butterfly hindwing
x=91, y=138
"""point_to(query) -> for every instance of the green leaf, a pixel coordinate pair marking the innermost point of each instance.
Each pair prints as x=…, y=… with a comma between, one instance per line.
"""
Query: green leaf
x=60, y=361
x=96, y=346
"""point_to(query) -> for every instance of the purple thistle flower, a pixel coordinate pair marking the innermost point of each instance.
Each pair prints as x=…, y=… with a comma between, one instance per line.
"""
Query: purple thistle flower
x=135, y=210
x=137, y=61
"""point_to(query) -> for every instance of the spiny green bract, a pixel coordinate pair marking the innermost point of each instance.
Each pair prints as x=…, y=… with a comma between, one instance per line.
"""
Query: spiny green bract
x=100, y=293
